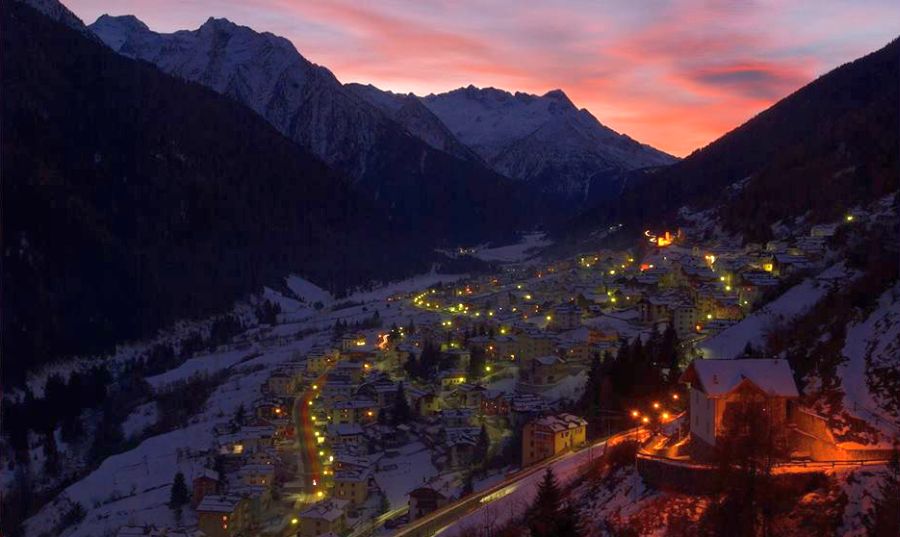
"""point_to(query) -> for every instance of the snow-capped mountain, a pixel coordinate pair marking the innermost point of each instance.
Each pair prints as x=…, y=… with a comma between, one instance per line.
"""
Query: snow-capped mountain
x=427, y=189
x=409, y=111
x=263, y=71
x=543, y=139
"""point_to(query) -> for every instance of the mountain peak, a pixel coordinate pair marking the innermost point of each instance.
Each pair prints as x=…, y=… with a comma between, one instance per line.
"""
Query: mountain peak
x=123, y=21
x=218, y=23
x=560, y=96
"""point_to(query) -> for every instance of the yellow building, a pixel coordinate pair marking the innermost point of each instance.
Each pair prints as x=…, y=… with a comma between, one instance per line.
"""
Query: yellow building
x=352, y=485
x=545, y=437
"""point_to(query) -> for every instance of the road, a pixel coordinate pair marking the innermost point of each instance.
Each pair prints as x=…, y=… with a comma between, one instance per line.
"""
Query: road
x=497, y=504
x=308, y=449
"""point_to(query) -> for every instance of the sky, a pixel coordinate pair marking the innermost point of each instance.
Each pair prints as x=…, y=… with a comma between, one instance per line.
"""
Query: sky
x=673, y=74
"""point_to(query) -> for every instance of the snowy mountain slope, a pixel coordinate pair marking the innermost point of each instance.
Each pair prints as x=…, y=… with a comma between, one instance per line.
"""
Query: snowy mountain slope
x=415, y=117
x=426, y=189
x=793, y=303
x=870, y=374
x=61, y=13
x=544, y=139
x=262, y=71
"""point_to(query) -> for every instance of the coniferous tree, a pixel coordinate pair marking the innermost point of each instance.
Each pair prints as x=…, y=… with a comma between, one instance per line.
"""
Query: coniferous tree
x=412, y=366
x=544, y=511
x=482, y=446
x=476, y=365
x=51, y=455
x=108, y=435
x=178, y=495
x=401, y=412
x=468, y=485
x=590, y=402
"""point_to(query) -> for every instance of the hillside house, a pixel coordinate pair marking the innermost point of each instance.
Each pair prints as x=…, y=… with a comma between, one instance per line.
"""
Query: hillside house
x=424, y=500
x=545, y=437
x=205, y=483
x=543, y=371
x=222, y=516
x=323, y=517
x=716, y=386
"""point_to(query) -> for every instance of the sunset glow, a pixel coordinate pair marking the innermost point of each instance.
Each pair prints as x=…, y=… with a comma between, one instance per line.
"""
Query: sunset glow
x=676, y=77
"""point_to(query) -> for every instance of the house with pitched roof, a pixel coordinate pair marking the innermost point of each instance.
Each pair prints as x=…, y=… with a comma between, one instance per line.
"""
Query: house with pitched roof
x=718, y=386
x=551, y=435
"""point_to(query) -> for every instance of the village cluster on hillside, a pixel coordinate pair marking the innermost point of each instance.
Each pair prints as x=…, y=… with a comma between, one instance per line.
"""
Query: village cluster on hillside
x=398, y=414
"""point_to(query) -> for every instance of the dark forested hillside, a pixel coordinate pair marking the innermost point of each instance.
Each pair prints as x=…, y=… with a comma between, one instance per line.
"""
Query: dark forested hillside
x=454, y=200
x=132, y=198
x=830, y=145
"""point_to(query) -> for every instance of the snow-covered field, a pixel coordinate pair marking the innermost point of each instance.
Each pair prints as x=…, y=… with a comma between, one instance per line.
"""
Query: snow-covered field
x=410, y=469
x=416, y=283
x=875, y=339
x=514, y=253
x=514, y=499
x=753, y=328
x=133, y=487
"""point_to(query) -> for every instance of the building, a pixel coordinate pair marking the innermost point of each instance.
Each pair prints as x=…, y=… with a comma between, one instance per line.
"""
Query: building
x=495, y=403
x=345, y=434
x=319, y=360
x=543, y=371
x=222, y=516
x=424, y=500
x=545, y=437
x=565, y=317
x=261, y=475
x=352, y=485
x=204, y=484
x=532, y=345
x=717, y=386
x=323, y=517
x=280, y=384
x=353, y=411
x=685, y=318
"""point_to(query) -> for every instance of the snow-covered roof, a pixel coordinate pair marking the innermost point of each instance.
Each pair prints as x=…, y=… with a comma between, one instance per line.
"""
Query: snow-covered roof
x=344, y=429
x=720, y=377
x=216, y=504
x=549, y=360
x=561, y=422
x=330, y=510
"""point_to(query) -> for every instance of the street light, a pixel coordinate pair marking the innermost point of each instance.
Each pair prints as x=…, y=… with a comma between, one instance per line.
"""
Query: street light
x=656, y=406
